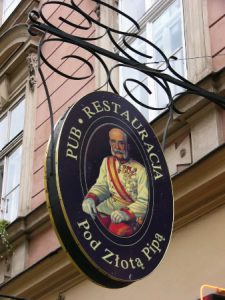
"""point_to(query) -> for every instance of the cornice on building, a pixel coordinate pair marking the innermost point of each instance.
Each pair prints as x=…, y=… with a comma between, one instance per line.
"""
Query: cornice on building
x=19, y=15
x=200, y=189
x=51, y=274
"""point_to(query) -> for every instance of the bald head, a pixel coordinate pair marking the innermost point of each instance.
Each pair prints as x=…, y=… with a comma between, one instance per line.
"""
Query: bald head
x=119, y=133
x=118, y=143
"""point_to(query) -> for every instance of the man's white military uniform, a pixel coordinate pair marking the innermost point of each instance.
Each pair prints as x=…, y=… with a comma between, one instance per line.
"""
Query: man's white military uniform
x=126, y=188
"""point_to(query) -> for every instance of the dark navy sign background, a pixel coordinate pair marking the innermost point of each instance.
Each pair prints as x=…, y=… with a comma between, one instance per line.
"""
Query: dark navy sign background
x=81, y=142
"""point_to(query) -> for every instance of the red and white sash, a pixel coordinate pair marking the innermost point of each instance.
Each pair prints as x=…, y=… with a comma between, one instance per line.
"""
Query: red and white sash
x=111, y=165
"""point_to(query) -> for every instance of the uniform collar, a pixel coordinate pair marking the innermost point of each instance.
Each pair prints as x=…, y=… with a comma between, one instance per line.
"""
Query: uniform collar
x=122, y=161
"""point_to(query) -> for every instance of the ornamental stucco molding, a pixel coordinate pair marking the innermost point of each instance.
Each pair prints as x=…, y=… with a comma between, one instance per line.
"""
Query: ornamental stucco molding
x=32, y=63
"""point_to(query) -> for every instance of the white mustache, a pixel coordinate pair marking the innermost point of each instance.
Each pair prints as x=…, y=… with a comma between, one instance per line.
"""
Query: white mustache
x=119, y=152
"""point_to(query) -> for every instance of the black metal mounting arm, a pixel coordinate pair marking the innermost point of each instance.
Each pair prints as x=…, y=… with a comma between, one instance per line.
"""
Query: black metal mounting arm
x=65, y=37
x=123, y=58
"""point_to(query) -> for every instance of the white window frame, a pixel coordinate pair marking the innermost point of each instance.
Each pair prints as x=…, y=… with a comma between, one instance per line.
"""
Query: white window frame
x=9, y=211
x=148, y=5
x=10, y=147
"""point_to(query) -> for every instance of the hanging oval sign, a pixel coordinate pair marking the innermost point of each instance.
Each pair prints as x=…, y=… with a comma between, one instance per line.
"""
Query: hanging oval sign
x=109, y=190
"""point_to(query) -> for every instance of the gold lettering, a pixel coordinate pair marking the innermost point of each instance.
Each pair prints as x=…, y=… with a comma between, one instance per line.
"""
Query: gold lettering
x=156, y=165
x=143, y=134
x=149, y=147
x=133, y=124
x=126, y=115
x=116, y=106
x=73, y=146
x=107, y=256
x=97, y=106
x=157, y=174
x=154, y=161
x=76, y=132
x=69, y=153
x=106, y=105
x=74, y=137
x=88, y=112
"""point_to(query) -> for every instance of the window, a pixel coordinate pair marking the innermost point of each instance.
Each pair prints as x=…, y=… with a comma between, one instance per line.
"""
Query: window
x=11, y=128
x=8, y=7
x=132, y=9
x=161, y=24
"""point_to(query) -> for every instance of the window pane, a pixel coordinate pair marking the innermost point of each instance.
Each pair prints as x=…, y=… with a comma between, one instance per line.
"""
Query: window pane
x=177, y=65
x=13, y=170
x=10, y=205
x=176, y=38
x=167, y=35
x=3, y=132
x=8, y=8
x=126, y=72
x=142, y=96
x=17, y=120
x=131, y=9
x=166, y=29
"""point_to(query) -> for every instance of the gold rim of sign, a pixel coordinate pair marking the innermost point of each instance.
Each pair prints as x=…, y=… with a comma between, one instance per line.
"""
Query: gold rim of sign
x=67, y=221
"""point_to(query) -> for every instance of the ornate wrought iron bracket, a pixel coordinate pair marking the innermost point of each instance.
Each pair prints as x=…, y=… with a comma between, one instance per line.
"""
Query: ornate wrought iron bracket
x=40, y=24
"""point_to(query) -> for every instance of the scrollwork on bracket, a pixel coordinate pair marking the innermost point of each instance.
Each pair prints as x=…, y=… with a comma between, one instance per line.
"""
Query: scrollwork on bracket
x=125, y=58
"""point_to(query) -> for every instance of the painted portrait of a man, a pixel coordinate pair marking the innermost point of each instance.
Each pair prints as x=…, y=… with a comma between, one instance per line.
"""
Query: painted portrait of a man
x=119, y=197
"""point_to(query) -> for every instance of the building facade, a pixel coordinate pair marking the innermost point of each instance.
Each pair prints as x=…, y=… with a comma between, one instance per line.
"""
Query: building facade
x=38, y=267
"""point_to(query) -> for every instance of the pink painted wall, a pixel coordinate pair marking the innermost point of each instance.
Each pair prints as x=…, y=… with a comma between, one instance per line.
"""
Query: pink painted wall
x=41, y=244
x=63, y=94
x=216, y=14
